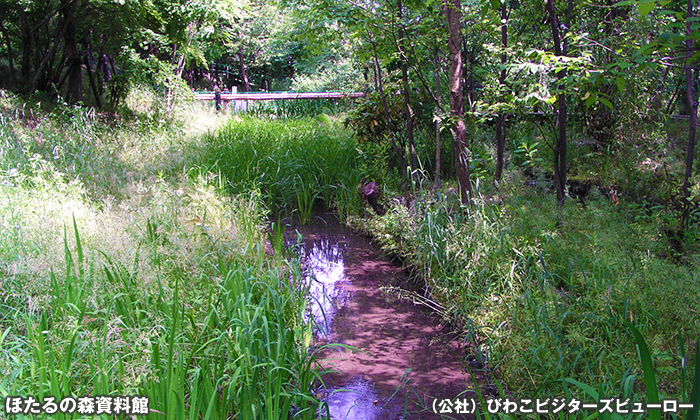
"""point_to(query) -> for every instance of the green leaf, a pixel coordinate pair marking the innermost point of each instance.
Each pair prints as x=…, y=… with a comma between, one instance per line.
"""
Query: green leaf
x=648, y=369
x=621, y=82
x=695, y=394
x=606, y=103
x=646, y=7
x=584, y=387
x=591, y=100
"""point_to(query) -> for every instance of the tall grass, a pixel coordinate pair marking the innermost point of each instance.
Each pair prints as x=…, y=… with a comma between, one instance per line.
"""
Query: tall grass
x=154, y=281
x=236, y=352
x=296, y=164
x=297, y=109
x=545, y=294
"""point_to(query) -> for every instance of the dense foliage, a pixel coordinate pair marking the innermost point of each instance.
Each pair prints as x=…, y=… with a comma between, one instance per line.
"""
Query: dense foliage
x=536, y=160
x=128, y=270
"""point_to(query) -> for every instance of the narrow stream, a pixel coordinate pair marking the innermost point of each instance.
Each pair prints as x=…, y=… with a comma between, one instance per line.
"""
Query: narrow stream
x=404, y=358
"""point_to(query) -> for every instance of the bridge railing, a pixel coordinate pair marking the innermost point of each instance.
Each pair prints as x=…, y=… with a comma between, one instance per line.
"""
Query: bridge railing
x=270, y=96
x=238, y=102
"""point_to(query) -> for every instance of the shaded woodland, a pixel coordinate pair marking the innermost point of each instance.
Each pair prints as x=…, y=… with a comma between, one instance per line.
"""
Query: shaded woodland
x=599, y=70
x=530, y=162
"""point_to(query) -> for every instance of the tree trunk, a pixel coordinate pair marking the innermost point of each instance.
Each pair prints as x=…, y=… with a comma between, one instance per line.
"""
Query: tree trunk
x=178, y=61
x=501, y=118
x=73, y=59
x=45, y=73
x=10, y=55
x=453, y=15
x=26, y=48
x=693, y=105
x=103, y=65
x=408, y=109
x=244, y=74
x=111, y=65
x=438, y=145
x=562, y=110
x=380, y=85
x=95, y=92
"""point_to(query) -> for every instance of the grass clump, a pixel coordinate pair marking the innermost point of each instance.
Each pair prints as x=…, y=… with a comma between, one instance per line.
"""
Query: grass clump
x=123, y=272
x=298, y=165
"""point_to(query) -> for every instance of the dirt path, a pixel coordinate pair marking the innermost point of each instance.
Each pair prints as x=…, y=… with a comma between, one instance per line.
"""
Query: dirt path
x=405, y=359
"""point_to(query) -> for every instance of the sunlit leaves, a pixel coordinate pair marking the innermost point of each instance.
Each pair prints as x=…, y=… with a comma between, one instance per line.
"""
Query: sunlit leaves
x=621, y=83
x=644, y=6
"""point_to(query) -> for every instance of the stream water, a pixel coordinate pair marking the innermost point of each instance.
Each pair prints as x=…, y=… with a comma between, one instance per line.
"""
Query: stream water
x=387, y=357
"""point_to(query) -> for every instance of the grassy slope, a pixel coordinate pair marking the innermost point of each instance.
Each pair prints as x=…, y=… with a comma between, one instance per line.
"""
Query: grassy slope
x=125, y=273
x=544, y=294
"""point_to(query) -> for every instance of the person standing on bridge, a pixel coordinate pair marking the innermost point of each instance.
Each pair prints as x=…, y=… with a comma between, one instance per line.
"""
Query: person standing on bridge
x=217, y=97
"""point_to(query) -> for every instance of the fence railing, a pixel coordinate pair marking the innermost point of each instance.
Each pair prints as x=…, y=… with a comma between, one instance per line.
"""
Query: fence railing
x=270, y=96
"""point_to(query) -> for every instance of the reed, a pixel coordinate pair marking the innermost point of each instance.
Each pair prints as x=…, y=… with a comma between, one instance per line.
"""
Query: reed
x=241, y=354
x=299, y=165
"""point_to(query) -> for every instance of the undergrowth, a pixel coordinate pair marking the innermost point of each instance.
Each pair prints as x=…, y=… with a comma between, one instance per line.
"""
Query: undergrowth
x=133, y=262
x=123, y=272
x=544, y=295
x=298, y=165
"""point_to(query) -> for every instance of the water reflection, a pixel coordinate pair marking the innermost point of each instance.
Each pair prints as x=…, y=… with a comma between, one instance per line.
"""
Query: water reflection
x=327, y=258
x=357, y=400
x=324, y=265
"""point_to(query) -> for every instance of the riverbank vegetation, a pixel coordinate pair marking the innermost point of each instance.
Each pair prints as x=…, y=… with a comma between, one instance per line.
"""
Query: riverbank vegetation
x=544, y=294
x=137, y=257
x=533, y=163
x=298, y=165
x=128, y=271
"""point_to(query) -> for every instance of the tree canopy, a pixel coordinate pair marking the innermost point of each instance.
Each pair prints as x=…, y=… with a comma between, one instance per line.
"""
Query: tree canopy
x=426, y=65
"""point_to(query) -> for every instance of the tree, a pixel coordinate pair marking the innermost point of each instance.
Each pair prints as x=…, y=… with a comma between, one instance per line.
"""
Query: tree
x=501, y=117
x=675, y=39
x=560, y=50
x=693, y=108
x=453, y=16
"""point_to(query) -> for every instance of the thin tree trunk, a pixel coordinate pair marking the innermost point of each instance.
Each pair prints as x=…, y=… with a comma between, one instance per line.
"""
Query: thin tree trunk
x=95, y=92
x=453, y=15
x=47, y=63
x=408, y=109
x=501, y=118
x=693, y=105
x=560, y=144
x=438, y=145
x=387, y=119
x=74, y=61
x=26, y=49
x=244, y=74
x=111, y=64
x=177, y=61
x=103, y=65
x=10, y=55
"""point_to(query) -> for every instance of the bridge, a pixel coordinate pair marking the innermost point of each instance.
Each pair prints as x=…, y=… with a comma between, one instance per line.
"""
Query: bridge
x=271, y=96
x=240, y=100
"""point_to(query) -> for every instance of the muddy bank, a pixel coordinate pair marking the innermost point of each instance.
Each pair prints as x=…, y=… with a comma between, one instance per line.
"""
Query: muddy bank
x=405, y=357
